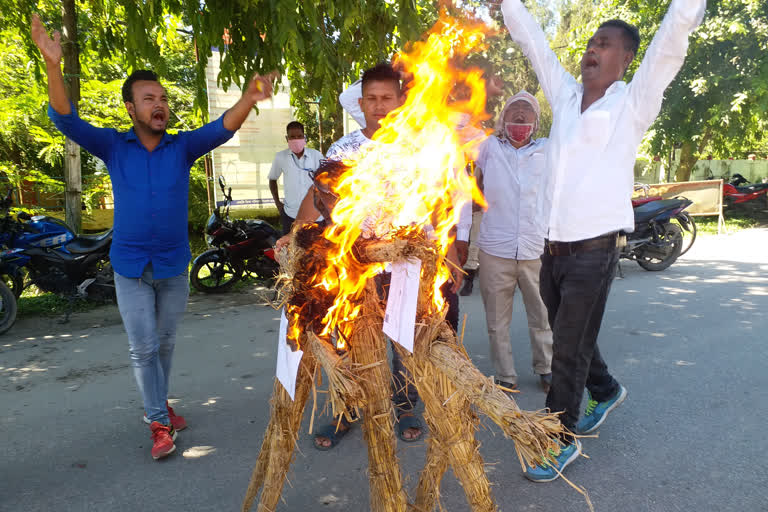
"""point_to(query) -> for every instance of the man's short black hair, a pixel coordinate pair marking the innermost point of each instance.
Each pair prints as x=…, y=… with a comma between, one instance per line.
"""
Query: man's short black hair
x=294, y=124
x=381, y=72
x=141, y=74
x=631, y=34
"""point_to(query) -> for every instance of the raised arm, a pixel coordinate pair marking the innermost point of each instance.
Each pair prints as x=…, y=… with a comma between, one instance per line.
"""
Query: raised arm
x=526, y=32
x=664, y=57
x=259, y=88
x=214, y=134
x=51, y=52
x=350, y=101
x=96, y=140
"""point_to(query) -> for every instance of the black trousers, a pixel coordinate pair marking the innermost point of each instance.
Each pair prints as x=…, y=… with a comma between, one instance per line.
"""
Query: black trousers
x=404, y=395
x=286, y=222
x=575, y=289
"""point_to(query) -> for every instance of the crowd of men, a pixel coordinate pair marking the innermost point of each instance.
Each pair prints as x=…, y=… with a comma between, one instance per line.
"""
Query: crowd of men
x=556, y=208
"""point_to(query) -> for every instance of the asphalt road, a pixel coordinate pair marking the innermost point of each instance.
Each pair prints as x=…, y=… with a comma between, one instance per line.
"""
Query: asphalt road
x=689, y=344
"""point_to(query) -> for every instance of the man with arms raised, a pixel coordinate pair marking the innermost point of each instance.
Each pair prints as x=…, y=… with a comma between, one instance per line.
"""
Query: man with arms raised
x=149, y=169
x=597, y=127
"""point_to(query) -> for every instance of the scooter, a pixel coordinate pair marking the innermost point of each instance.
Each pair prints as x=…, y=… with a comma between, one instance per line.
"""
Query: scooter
x=754, y=195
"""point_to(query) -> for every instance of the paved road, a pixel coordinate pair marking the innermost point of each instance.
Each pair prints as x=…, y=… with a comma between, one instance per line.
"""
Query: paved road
x=688, y=343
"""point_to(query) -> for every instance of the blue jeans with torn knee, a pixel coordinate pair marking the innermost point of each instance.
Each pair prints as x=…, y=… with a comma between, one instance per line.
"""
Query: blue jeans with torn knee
x=151, y=310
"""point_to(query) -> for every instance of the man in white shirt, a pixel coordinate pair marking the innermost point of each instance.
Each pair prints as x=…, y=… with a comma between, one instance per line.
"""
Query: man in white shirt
x=597, y=127
x=511, y=237
x=296, y=165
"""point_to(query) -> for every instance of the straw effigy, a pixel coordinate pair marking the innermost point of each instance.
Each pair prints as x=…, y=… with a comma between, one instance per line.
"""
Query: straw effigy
x=280, y=439
x=447, y=381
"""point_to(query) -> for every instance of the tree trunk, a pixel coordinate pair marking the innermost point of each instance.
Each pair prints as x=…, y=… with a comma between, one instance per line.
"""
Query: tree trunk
x=688, y=158
x=73, y=183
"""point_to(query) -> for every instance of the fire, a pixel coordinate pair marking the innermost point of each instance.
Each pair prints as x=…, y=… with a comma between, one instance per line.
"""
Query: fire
x=412, y=178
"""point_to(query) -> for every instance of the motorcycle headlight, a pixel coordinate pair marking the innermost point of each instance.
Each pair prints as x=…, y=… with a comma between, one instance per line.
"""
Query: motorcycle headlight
x=209, y=239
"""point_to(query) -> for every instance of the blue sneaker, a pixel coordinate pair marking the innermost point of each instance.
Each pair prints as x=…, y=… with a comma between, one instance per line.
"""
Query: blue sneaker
x=546, y=471
x=595, y=414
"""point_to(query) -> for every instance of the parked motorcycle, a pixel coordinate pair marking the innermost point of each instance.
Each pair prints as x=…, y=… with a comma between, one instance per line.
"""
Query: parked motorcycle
x=44, y=251
x=657, y=241
x=683, y=219
x=240, y=248
x=737, y=194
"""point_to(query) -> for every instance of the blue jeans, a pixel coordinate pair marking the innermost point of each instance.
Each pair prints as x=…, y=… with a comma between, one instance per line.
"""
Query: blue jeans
x=151, y=310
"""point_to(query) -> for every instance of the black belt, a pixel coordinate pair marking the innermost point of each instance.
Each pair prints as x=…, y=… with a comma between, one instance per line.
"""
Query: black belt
x=607, y=242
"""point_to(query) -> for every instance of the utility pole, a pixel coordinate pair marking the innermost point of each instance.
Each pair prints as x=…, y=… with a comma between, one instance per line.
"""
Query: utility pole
x=73, y=183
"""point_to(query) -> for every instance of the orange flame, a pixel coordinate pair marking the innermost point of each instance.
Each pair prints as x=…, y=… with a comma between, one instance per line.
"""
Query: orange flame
x=413, y=176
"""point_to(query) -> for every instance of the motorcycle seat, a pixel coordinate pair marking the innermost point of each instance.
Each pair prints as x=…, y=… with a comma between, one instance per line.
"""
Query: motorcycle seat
x=647, y=211
x=748, y=189
x=89, y=243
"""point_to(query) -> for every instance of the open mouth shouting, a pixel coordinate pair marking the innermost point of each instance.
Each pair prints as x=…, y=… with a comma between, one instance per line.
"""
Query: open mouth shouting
x=589, y=63
x=159, y=118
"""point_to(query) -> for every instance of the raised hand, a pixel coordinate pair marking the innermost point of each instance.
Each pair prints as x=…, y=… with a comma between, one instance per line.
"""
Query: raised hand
x=260, y=87
x=50, y=48
x=494, y=86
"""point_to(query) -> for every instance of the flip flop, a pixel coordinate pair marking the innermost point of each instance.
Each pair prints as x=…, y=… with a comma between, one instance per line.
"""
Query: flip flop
x=329, y=432
x=406, y=421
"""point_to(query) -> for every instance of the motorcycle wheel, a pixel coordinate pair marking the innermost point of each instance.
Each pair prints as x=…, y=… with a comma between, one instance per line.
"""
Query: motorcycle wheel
x=211, y=274
x=673, y=235
x=8, y=308
x=688, y=236
x=15, y=283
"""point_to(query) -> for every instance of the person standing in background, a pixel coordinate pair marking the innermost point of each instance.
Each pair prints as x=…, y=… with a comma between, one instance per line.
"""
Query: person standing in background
x=296, y=165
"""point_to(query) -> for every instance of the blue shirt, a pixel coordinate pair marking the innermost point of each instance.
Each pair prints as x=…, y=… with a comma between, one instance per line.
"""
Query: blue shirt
x=151, y=191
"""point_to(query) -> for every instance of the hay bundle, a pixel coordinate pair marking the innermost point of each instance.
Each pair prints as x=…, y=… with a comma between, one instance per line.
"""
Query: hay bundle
x=369, y=354
x=279, y=439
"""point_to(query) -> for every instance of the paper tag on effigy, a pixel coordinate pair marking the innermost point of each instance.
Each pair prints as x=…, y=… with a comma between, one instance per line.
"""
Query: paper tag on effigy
x=287, y=360
x=400, y=316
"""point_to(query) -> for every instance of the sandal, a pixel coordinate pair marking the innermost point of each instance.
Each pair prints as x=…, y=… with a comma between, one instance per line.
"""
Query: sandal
x=405, y=421
x=332, y=434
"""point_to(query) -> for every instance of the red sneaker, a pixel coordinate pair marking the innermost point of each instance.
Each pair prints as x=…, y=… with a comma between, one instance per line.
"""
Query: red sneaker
x=178, y=422
x=162, y=440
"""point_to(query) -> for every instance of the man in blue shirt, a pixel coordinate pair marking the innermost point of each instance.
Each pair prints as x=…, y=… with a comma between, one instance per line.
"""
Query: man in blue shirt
x=149, y=169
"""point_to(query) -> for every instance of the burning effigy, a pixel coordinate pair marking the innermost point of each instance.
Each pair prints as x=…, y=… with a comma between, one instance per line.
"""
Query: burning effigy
x=396, y=203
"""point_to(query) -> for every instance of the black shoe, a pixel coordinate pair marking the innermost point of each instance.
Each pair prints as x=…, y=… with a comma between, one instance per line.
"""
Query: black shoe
x=545, y=381
x=466, y=289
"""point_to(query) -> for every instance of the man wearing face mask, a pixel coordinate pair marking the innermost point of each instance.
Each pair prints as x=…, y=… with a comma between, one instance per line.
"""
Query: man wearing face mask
x=511, y=237
x=296, y=165
x=149, y=170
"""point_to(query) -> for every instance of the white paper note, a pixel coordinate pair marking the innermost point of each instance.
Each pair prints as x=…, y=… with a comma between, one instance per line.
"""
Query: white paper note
x=287, y=360
x=400, y=315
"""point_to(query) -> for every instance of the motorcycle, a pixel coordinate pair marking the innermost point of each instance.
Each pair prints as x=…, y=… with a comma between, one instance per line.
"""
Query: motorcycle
x=657, y=241
x=683, y=219
x=240, y=249
x=754, y=195
x=45, y=252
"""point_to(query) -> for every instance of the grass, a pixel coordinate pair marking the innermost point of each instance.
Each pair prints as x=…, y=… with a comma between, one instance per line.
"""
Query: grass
x=733, y=223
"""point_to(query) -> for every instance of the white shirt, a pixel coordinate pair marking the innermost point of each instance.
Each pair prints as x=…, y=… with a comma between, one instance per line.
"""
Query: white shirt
x=348, y=146
x=513, y=179
x=296, y=176
x=591, y=155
